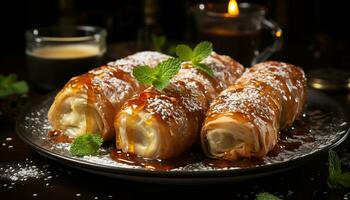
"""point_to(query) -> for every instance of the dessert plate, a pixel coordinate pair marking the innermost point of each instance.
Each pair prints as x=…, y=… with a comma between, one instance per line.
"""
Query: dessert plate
x=326, y=128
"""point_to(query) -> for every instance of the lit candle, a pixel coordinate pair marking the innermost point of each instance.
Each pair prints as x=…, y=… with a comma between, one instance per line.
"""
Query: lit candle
x=233, y=9
x=235, y=29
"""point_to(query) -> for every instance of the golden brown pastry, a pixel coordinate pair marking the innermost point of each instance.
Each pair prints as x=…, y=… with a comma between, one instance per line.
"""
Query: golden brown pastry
x=244, y=120
x=88, y=103
x=162, y=125
x=288, y=79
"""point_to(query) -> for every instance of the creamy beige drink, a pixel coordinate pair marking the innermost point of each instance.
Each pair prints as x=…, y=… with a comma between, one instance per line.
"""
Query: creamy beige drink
x=60, y=63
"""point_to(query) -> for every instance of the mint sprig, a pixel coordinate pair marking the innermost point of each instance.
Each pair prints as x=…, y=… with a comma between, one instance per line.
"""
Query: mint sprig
x=197, y=55
x=266, y=196
x=336, y=176
x=9, y=86
x=159, y=76
x=86, y=145
x=161, y=44
x=158, y=42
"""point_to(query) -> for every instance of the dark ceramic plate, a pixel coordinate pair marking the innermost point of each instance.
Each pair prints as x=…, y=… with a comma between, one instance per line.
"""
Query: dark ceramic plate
x=326, y=126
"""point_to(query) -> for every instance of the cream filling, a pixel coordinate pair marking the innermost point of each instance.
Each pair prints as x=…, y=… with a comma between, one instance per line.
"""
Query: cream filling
x=139, y=133
x=74, y=114
x=226, y=135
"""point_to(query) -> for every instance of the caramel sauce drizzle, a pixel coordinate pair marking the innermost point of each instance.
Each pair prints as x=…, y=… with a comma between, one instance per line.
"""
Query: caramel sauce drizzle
x=177, y=94
x=300, y=128
x=195, y=155
x=155, y=164
x=87, y=80
x=57, y=136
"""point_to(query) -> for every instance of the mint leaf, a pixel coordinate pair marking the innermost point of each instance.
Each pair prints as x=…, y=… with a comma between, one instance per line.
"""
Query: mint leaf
x=344, y=179
x=7, y=81
x=11, y=78
x=266, y=196
x=158, y=42
x=144, y=74
x=336, y=177
x=184, y=52
x=334, y=167
x=5, y=92
x=20, y=87
x=168, y=68
x=86, y=145
x=161, y=84
x=159, y=76
x=204, y=68
x=161, y=44
x=201, y=51
x=165, y=71
x=9, y=86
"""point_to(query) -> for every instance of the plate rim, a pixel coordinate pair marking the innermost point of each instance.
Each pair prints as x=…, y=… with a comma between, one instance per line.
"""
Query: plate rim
x=95, y=167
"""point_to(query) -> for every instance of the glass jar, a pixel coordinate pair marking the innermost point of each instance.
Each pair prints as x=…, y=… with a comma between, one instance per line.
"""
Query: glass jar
x=56, y=54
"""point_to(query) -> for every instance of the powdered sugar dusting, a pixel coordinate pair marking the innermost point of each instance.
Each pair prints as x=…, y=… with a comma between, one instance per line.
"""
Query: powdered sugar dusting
x=188, y=74
x=269, y=78
x=22, y=171
x=193, y=73
x=287, y=79
x=326, y=128
x=233, y=101
x=245, y=100
x=225, y=69
x=116, y=90
x=192, y=98
x=164, y=108
x=127, y=64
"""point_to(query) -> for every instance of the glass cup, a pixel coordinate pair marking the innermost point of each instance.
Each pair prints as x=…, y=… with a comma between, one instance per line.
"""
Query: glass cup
x=56, y=54
x=239, y=36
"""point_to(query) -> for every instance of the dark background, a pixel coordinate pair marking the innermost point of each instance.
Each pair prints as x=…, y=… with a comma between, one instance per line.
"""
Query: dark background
x=315, y=36
x=315, y=31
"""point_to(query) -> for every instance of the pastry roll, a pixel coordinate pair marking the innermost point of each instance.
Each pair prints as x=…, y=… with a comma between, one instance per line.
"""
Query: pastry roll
x=88, y=103
x=244, y=120
x=163, y=125
x=288, y=79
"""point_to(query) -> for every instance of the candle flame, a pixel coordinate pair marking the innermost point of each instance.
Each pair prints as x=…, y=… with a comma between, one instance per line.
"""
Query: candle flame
x=278, y=34
x=233, y=8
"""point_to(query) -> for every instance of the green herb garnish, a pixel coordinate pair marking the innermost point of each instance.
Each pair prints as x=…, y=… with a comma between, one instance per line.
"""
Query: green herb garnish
x=336, y=176
x=266, y=196
x=9, y=86
x=86, y=145
x=159, y=76
x=158, y=42
x=161, y=44
x=199, y=53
